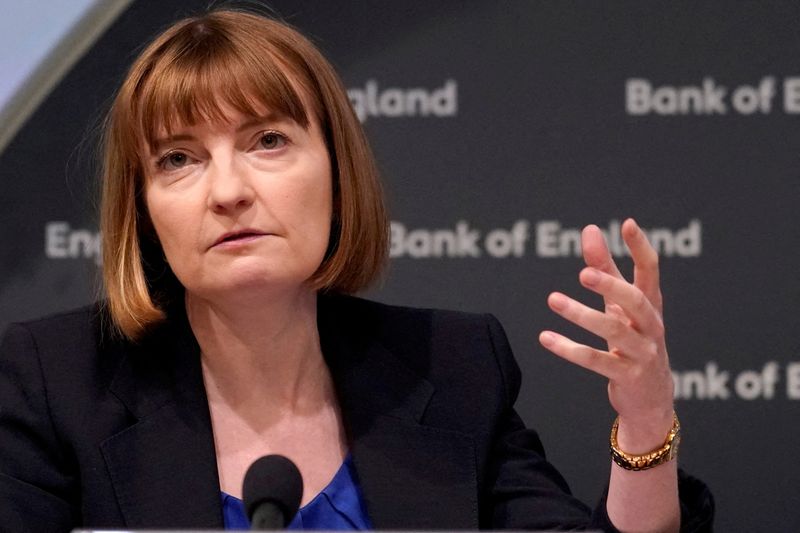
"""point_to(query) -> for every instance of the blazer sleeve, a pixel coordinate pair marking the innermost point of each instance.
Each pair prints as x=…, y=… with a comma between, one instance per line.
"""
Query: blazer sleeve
x=529, y=493
x=35, y=489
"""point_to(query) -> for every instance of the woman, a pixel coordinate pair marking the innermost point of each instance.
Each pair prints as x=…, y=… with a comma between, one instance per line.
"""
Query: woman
x=240, y=206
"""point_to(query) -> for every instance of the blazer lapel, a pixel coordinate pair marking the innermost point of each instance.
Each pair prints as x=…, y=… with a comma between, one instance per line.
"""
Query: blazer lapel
x=412, y=476
x=163, y=467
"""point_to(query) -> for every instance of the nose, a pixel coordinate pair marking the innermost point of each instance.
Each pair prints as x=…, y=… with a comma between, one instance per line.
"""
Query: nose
x=230, y=189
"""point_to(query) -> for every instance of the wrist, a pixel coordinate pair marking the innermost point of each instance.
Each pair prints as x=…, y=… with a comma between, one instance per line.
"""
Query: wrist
x=654, y=456
x=643, y=434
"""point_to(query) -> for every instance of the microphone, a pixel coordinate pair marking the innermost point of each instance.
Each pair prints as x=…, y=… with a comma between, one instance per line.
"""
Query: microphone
x=271, y=492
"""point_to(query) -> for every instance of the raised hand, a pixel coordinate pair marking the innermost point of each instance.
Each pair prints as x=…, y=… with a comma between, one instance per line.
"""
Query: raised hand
x=635, y=360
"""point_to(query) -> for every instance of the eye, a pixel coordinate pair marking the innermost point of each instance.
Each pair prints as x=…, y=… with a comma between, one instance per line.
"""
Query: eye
x=173, y=161
x=272, y=140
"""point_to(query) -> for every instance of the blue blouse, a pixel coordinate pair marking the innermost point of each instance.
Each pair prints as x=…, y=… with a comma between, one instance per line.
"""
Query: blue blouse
x=339, y=506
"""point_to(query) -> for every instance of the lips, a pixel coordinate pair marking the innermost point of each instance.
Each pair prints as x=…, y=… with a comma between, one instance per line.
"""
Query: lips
x=238, y=236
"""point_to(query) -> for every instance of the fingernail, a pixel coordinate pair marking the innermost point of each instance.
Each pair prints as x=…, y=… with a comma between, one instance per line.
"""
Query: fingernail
x=558, y=302
x=635, y=224
x=547, y=338
x=591, y=276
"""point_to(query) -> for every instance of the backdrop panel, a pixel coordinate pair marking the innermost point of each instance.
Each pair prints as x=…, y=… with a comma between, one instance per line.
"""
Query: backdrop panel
x=500, y=129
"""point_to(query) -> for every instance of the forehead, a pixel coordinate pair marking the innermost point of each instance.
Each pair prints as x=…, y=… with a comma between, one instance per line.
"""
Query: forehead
x=217, y=90
x=218, y=115
x=229, y=118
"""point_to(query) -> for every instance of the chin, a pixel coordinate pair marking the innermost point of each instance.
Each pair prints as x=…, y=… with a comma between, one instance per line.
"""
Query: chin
x=248, y=277
x=264, y=282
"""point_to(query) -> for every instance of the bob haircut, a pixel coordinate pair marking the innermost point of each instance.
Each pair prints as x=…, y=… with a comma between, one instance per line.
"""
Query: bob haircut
x=188, y=74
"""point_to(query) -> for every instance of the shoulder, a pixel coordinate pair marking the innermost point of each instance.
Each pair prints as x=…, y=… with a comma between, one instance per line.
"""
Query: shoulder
x=71, y=349
x=82, y=322
x=388, y=318
x=73, y=332
x=444, y=346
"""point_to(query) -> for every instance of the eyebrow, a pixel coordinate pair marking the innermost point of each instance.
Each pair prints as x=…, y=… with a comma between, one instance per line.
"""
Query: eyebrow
x=158, y=143
x=255, y=121
x=247, y=124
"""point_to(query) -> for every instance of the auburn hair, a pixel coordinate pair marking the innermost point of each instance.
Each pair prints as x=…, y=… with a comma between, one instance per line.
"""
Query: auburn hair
x=188, y=74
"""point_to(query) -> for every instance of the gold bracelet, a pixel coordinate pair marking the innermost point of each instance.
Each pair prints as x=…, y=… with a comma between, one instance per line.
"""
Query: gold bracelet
x=665, y=453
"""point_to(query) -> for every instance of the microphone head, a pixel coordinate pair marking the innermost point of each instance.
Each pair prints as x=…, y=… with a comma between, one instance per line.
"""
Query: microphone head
x=274, y=479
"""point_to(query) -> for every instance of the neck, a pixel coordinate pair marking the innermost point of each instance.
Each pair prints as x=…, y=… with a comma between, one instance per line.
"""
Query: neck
x=266, y=349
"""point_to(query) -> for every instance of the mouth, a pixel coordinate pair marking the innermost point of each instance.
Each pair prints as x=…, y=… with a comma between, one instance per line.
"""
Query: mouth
x=236, y=237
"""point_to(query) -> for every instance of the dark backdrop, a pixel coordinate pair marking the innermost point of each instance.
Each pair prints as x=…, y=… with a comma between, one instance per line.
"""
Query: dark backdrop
x=530, y=120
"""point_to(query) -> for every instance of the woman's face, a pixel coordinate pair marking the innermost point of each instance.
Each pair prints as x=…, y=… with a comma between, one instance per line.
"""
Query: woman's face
x=241, y=204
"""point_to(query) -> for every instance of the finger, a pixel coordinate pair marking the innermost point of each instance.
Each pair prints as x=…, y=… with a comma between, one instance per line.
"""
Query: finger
x=617, y=333
x=597, y=361
x=644, y=317
x=645, y=262
x=595, y=251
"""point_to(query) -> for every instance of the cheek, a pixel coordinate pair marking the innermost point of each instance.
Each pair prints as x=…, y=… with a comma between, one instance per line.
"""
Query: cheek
x=307, y=195
x=170, y=222
x=309, y=208
x=322, y=203
x=325, y=186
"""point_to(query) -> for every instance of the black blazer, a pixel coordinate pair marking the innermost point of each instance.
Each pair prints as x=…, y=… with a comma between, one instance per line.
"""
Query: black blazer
x=97, y=431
